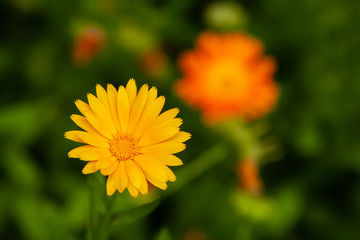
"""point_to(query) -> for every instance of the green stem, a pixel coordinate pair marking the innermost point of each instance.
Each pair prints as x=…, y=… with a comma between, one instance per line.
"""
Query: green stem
x=207, y=160
x=100, y=220
x=91, y=226
x=105, y=224
x=242, y=137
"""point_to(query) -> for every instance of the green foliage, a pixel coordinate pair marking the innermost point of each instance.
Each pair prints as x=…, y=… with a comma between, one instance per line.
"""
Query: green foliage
x=311, y=186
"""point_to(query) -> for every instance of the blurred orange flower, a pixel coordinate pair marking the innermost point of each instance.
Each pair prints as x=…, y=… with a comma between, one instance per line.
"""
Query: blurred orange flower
x=227, y=76
x=248, y=173
x=89, y=42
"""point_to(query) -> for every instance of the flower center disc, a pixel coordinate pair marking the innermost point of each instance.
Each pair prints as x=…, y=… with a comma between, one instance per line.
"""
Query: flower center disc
x=124, y=147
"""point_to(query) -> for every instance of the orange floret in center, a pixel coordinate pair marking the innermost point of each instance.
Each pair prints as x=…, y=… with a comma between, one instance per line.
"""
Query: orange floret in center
x=124, y=147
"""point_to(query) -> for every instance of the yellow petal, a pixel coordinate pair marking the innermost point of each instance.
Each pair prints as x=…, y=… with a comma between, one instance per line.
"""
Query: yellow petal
x=167, y=115
x=89, y=153
x=84, y=124
x=138, y=107
x=157, y=135
x=169, y=160
x=132, y=190
x=149, y=116
x=105, y=162
x=121, y=177
x=110, y=185
x=90, y=156
x=91, y=140
x=136, y=176
x=76, y=152
x=82, y=106
x=99, y=110
x=92, y=118
x=97, y=124
x=89, y=168
x=151, y=167
x=175, y=122
x=160, y=168
x=160, y=184
x=103, y=97
x=74, y=136
x=110, y=169
x=95, y=154
x=145, y=187
x=163, y=148
x=112, y=97
x=151, y=96
x=170, y=175
x=131, y=91
x=180, y=137
x=123, y=108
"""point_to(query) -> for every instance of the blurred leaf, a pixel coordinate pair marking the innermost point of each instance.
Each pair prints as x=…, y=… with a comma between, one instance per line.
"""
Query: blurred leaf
x=41, y=62
x=309, y=138
x=134, y=214
x=76, y=210
x=257, y=209
x=225, y=15
x=5, y=61
x=164, y=234
x=21, y=169
x=135, y=39
x=33, y=214
x=288, y=206
x=22, y=122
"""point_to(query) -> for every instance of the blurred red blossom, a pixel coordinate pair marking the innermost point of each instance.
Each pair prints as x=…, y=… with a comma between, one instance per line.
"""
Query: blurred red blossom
x=88, y=43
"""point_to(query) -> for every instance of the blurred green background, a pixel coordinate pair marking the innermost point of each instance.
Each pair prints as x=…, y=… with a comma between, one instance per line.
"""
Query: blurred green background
x=311, y=191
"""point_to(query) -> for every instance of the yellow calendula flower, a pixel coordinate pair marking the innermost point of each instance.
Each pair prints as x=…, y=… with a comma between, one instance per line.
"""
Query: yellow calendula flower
x=127, y=138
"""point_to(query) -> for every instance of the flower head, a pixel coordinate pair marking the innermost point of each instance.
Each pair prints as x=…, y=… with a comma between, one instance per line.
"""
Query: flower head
x=127, y=138
x=227, y=76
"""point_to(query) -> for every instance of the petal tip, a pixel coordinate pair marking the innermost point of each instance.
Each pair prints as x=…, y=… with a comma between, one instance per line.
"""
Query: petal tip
x=109, y=193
